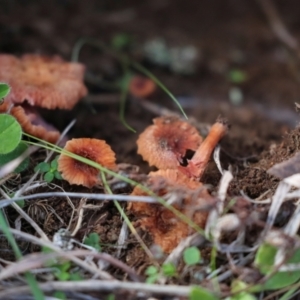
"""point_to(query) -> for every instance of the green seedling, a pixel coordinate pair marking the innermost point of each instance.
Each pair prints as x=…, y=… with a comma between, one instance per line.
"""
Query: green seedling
x=121, y=41
x=191, y=256
x=49, y=170
x=237, y=76
x=154, y=274
x=201, y=293
x=93, y=240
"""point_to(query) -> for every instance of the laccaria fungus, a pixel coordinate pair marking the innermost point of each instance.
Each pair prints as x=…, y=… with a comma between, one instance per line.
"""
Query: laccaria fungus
x=40, y=81
x=141, y=87
x=33, y=124
x=165, y=143
x=77, y=172
x=196, y=166
x=48, y=82
x=191, y=199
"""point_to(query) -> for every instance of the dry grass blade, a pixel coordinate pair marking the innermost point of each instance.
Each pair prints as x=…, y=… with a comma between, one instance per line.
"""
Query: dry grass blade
x=34, y=261
x=278, y=198
x=102, y=285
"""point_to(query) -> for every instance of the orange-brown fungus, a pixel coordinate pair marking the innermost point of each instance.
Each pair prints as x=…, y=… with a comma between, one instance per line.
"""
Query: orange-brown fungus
x=165, y=143
x=34, y=125
x=167, y=229
x=76, y=172
x=43, y=81
x=141, y=86
x=196, y=166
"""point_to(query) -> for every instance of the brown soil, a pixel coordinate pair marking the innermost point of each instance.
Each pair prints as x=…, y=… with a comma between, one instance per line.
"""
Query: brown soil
x=230, y=34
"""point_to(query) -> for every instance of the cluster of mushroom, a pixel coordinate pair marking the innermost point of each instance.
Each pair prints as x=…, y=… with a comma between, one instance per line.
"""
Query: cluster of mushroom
x=51, y=83
x=40, y=81
x=165, y=144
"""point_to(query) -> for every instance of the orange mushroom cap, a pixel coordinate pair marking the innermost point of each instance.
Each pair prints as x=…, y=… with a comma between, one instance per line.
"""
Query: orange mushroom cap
x=166, y=229
x=141, y=87
x=77, y=172
x=43, y=81
x=31, y=122
x=34, y=125
x=165, y=143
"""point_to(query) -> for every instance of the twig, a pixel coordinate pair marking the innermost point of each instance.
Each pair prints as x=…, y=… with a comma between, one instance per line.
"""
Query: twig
x=37, y=260
x=22, y=213
x=103, y=285
x=147, y=199
x=79, y=262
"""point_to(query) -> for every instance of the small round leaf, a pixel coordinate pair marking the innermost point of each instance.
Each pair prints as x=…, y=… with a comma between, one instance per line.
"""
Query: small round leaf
x=5, y=158
x=191, y=256
x=4, y=90
x=10, y=133
x=49, y=176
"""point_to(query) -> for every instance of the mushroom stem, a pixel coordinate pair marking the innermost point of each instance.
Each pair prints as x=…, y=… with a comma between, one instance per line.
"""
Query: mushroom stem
x=198, y=163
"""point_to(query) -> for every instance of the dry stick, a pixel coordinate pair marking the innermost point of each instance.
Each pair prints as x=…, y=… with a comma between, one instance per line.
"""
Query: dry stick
x=103, y=285
x=278, y=26
x=37, y=260
x=79, y=262
x=22, y=213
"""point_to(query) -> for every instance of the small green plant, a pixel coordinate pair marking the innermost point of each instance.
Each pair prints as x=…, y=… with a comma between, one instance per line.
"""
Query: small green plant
x=191, y=256
x=93, y=240
x=198, y=293
x=237, y=76
x=153, y=273
x=4, y=90
x=49, y=170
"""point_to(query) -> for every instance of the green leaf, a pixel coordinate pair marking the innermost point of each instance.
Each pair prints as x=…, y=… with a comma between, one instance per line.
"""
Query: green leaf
x=169, y=269
x=237, y=76
x=152, y=278
x=4, y=90
x=43, y=167
x=121, y=41
x=198, y=293
x=21, y=203
x=191, y=256
x=10, y=133
x=48, y=177
x=60, y=295
x=57, y=175
x=75, y=276
x=54, y=164
x=5, y=158
x=93, y=240
x=264, y=261
x=236, y=286
x=151, y=270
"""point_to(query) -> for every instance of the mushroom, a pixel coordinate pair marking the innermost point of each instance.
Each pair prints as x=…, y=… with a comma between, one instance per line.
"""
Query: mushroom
x=41, y=81
x=196, y=166
x=48, y=82
x=193, y=200
x=77, y=172
x=166, y=143
x=141, y=87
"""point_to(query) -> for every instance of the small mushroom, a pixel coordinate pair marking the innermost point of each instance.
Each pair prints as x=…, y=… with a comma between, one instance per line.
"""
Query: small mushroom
x=196, y=166
x=141, y=87
x=48, y=82
x=165, y=143
x=33, y=124
x=77, y=172
x=192, y=199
